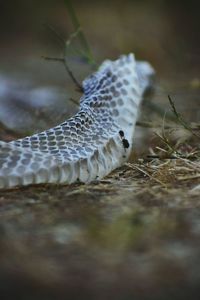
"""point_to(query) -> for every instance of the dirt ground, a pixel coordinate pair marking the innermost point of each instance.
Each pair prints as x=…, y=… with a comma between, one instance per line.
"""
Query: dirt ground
x=135, y=234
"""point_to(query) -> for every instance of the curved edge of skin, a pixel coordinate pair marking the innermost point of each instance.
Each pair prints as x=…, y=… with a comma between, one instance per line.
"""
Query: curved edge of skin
x=99, y=164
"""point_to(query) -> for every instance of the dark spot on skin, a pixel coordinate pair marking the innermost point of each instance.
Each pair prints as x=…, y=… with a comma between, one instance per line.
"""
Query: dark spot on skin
x=25, y=143
x=71, y=124
x=78, y=131
x=121, y=133
x=112, y=89
x=98, y=87
x=18, y=144
x=27, y=155
x=79, y=148
x=88, y=139
x=116, y=94
x=46, y=163
x=55, y=151
x=25, y=161
x=50, y=132
x=34, y=166
x=134, y=91
x=101, y=80
x=73, y=129
x=119, y=84
x=73, y=152
x=61, y=144
x=74, y=141
x=113, y=103
x=125, y=143
x=52, y=148
x=104, y=120
x=59, y=138
x=125, y=82
x=120, y=102
x=21, y=169
x=57, y=132
x=114, y=78
x=68, y=144
x=102, y=92
x=65, y=128
x=87, y=149
x=82, y=153
x=11, y=164
x=39, y=158
x=51, y=138
x=42, y=138
x=62, y=147
x=73, y=135
x=124, y=92
x=115, y=112
x=43, y=148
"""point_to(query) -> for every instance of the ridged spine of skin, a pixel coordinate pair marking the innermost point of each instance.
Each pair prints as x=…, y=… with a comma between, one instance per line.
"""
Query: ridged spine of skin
x=87, y=146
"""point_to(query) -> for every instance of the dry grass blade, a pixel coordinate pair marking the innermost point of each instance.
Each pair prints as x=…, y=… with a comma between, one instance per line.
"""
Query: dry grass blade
x=180, y=118
x=87, y=51
x=135, y=166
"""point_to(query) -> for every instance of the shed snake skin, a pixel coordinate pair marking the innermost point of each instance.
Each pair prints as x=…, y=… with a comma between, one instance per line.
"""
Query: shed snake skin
x=92, y=143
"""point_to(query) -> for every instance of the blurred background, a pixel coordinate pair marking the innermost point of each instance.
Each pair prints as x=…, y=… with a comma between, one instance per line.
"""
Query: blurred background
x=120, y=238
x=166, y=33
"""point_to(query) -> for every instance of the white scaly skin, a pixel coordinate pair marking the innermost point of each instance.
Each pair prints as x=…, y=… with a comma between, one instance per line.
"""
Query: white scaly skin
x=89, y=145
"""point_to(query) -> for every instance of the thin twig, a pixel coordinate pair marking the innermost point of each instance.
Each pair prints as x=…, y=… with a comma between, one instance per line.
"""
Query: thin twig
x=79, y=86
x=62, y=60
x=161, y=157
x=74, y=101
x=180, y=119
x=194, y=126
x=59, y=59
x=72, y=36
x=147, y=124
x=134, y=166
x=188, y=177
x=55, y=33
x=166, y=142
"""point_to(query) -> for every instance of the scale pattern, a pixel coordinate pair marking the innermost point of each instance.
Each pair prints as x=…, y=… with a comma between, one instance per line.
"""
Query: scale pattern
x=87, y=146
